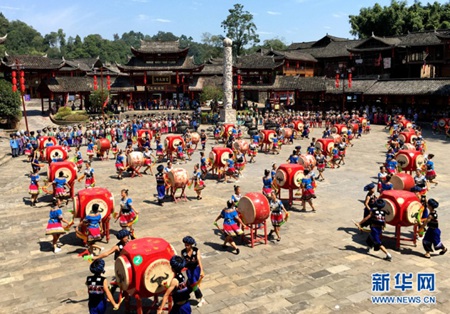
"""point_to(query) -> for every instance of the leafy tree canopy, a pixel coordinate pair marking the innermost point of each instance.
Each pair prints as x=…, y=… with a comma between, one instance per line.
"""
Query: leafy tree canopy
x=9, y=102
x=399, y=18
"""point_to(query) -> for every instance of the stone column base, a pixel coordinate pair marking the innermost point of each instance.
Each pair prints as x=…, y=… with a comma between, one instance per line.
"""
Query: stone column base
x=228, y=115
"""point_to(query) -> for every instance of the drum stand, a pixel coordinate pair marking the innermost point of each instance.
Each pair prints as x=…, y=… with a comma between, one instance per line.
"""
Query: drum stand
x=291, y=197
x=136, y=172
x=252, y=237
x=397, y=237
x=138, y=308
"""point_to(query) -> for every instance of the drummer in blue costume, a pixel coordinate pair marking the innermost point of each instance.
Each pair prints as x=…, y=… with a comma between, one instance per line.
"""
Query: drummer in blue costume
x=433, y=234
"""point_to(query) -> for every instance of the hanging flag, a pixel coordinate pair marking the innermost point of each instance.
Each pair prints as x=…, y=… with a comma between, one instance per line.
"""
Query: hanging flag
x=106, y=101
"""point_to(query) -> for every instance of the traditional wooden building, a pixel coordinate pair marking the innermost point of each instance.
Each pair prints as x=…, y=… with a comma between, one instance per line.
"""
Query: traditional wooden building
x=158, y=70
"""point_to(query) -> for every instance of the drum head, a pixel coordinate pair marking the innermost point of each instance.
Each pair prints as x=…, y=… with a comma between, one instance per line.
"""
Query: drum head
x=166, y=143
x=158, y=275
x=300, y=126
x=263, y=136
x=397, y=182
x=389, y=208
x=68, y=173
x=76, y=204
x=330, y=147
x=247, y=210
x=403, y=160
x=281, y=178
x=56, y=153
x=136, y=159
x=334, y=130
x=297, y=178
x=195, y=138
x=178, y=177
x=272, y=136
x=302, y=160
x=442, y=123
x=344, y=130
x=212, y=157
x=225, y=156
x=420, y=160
x=402, y=137
x=412, y=211
x=412, y=138
x=320, y=147
x=103, y=207
x=408, y=125
x=408, y=146
x=123, y=272
x=177, y=142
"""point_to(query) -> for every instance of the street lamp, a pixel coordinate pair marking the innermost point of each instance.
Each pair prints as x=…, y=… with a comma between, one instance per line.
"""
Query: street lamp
x=343, y=74
x=18, y=68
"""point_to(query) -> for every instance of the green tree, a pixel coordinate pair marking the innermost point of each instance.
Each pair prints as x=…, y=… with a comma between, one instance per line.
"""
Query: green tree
x=9, y=103
x=211, y=92
x=239, y=27
x=97, y=99
x=275, y=44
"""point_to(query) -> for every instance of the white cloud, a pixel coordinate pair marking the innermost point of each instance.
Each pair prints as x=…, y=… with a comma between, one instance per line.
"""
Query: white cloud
x=273, y=13
x=339, y=15
x=163, y=21
x=143, y=17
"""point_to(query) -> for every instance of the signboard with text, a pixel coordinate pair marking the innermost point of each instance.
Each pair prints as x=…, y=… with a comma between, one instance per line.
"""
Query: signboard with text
x=160, y=79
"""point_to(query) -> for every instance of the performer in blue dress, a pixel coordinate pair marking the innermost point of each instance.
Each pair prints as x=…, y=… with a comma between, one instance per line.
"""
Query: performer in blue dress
x=231, y=223
x=431, y=174
x=94, y=233
x=120, y=164
x=194, y=266
x=90, y=150
x=54, y=225
x=267, y=183
x=293, y=158
x=34, y=186
x=60, y=185
x=433, y=234
x=308, y=192
x=377, y=218
x=128, y=214
x=98, y=289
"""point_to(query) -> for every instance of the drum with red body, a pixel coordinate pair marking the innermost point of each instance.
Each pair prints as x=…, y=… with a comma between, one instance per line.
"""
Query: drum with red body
x=355, y=128
x=178, y=178
x=195, y=138
x=253, y=208
x=402, y=181
x=267, y=136
x=286, y=132
x=339, y=129
x=336, y=138
x=363, y=121
x=444, y=122
x=143, y=267
x=172, y=142
x=143, y=135
x=136, y=159
x=241, y=145
x=407, y=136
x=85, y=198
x=409, y=160
x=103, y=144
x=406, y=123
x=43, y=140
x=226, y=130
x=219, y=156
x=401, y=207
x=298, y=125
x=307, y=160
x=325, y=145
x=55, y=152
x=408, y=146
x=69, y=169
x=289, y=176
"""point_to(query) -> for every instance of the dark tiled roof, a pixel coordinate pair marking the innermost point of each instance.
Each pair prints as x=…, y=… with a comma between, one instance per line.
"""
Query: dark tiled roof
x=200, y=82
x=159, y=47
x=302, y=45
x=85, y=65
x=30, y=62
x=411, y=87
x=293, y=55
x=333, y=50
x=122, y=84
x=422, y=39
x=212, y=69
x=67, y=84
x=182, y=64
x=257, y=61
x=358, y=86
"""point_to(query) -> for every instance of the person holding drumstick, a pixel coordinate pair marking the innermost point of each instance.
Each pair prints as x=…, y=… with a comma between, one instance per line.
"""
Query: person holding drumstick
x=277, y=209
x=230, y=225
x=128, y=214
x=98, y=289
x=89, y=175
x=194, y=266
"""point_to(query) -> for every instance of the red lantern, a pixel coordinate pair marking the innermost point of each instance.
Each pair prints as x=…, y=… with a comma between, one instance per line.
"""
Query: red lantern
x=95, y=83
x=145, y=78
x=287, y=64
x=239, y=82
x=14, y=87
x=182, y=79
x=108, y=82
x=336, y=83
x=350, y=80
x=178, y=78
x=297, y=65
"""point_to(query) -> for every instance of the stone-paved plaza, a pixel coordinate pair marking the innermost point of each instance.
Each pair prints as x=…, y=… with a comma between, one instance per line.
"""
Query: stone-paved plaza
x=321, y=265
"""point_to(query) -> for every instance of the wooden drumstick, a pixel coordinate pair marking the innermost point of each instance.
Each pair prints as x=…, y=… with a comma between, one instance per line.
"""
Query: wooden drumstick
x=118, y=304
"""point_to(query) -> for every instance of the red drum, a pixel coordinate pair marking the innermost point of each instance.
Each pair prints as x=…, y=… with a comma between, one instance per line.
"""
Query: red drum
x=339, y=129
x=219, y=156
x=407, y=136
x=355, y=128
x=103, y=144
x=195, y=138
x=336, y=138
x=143, y=135
x=443, y=122
x=400, y=117
x=402, y=181
x=325, y=145
x=43, y=140
x=286, y=132
x=241, y=145
x=289, y=176
x=298, y=125
x=401, y=207
x=406, y=123
x=84, y=199
x=307, y=160
x=363, y=121
x=408, y=146
x=267, y=136
x=55, y=152
x=409, y=160
x=172, y=142
x=178, y=177
x=143, y=267
x=254, y=208
x=226, y=130
x=67, y=167
x=136, y=159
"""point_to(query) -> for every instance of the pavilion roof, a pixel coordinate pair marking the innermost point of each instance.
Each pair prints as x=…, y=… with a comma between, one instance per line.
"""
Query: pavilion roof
x=84, y=64
x=68, y=84
x=159, y=47
x=439, y=87
x=31, y=62
x=182, y=64
x=294, y=55
x=258, y=61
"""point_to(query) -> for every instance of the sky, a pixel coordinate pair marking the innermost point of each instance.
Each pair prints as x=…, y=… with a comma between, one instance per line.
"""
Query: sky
x=288, y=20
